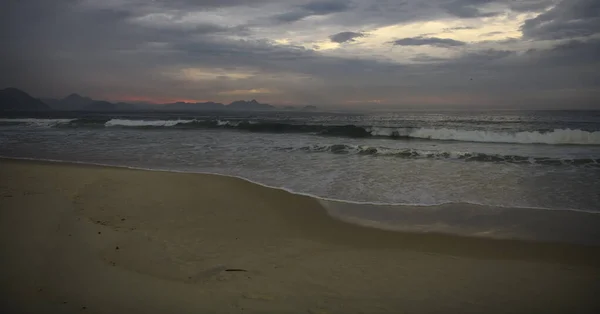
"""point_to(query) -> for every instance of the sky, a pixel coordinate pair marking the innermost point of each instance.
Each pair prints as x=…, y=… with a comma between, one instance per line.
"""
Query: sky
x=354, y=54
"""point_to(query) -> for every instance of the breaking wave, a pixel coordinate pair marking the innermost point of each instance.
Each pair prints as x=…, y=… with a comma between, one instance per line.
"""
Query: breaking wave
x=554, y=137
x=35, y=122
x=145, y=123
x=409, y=153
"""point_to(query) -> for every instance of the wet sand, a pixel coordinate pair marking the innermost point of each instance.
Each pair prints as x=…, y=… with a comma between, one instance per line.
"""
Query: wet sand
x=77, y=238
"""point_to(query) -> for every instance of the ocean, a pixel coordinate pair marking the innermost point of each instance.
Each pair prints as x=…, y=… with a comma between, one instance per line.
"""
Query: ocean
x=507, y=174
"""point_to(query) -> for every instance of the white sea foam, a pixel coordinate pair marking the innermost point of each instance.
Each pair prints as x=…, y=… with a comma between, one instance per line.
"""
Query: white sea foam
x=227, y=123
x=142, y=123
x=557, y=136
x=293, y=191
x=37, y=122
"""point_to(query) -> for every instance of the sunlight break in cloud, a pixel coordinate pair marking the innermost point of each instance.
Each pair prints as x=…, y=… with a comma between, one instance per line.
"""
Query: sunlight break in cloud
x=243, y=92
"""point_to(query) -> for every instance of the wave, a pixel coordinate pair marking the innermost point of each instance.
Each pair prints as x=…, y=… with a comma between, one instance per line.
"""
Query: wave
x=556, y=136
x=35, y=122
x=145, y=123
x=409, y=153
x=553, y=137
x=323, y=198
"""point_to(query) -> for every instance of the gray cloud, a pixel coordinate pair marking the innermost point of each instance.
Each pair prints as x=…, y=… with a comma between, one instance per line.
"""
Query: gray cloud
x=530, y=5
x=486, y=56
x=312, y=8
x=473, y=8
x=167, y=5
x=568, y=19
x=378, y=13
x=490, y=34
x=458, y=28
x=427, y=58
x=326, y=7
x=291, y=16
x=573, y=52
x=345, y=37
x=469, y=8
x=428, y=41
x=54, y=48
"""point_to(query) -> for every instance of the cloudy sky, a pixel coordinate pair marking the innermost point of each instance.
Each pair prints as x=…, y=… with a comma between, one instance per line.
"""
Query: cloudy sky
x=357, y=53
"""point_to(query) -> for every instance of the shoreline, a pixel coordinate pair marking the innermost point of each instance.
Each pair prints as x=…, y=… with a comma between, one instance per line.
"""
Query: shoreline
x=464, y=219
x=323, y=198
x=111, y=240
x=325, y=208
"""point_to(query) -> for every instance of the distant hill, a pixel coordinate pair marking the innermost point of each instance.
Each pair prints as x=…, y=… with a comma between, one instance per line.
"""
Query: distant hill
x=76, y=102
x=12, y=99
x=71, y=102
x=309, y=108
x=236, y=105
x=101, y=105
x=248, y=105
x=186, y=106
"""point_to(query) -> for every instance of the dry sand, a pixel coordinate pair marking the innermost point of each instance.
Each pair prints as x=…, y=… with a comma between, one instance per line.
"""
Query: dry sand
x=92, y=239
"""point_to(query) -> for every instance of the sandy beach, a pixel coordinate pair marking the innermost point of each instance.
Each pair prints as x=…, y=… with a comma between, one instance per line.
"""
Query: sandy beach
x=91, y=239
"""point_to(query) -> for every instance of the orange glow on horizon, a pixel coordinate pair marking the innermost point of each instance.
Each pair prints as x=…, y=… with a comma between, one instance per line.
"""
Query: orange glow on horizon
x=168, y=100
x=155, y=100
x=374, y=101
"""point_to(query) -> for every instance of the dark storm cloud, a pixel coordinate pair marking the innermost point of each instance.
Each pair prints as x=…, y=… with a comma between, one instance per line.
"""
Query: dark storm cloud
x=427, y=58
x=468, y=8
x=497, y=73
x=475, y=8
x=573, y=52
x=102, y=48
x=428, y=41
x=345, y=37
x=560, y=63
x=70, y=47
x=209, y=3
x=145, y=5
x=458, y=28
x=196, y=29
x=239, y=53
x=568, y=19
x=378, y=13
x=293, y=16
x=503, y=77
x=490, y=34
x=486, y=56
x=67, y=26
x=530, y=5
x=313, y=8
x=326, y=7
x=499, y=42
x=387, y=12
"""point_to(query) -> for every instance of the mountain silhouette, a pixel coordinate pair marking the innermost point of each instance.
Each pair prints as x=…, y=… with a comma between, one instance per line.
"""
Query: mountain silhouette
x=76, y=102
x=12, y=99
x=248, y=105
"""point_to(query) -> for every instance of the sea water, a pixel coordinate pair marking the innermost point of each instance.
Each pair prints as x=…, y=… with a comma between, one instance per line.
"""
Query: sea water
x=529, y=160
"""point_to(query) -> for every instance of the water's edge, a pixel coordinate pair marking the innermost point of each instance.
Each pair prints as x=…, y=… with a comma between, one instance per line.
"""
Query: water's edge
x=462, y=219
